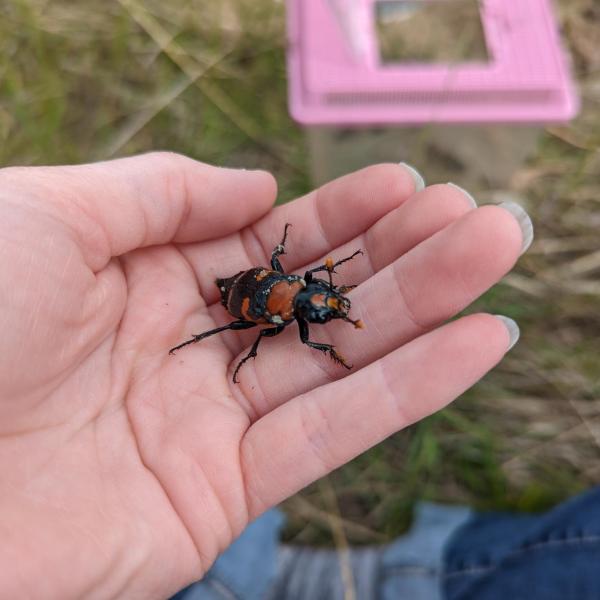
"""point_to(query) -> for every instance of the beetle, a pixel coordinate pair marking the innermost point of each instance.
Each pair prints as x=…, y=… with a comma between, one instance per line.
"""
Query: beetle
x=261, y=296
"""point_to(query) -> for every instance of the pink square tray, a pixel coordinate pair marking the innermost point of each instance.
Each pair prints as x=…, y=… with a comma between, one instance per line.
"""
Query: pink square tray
x=526, y=80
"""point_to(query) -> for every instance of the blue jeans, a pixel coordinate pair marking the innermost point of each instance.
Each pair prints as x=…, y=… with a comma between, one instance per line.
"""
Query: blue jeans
x=552, y=556
x=450, y=553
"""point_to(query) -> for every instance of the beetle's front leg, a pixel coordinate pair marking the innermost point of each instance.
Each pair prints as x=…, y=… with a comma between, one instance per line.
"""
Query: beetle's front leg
x=278, y=251
x=330, y=266
x=327, y=348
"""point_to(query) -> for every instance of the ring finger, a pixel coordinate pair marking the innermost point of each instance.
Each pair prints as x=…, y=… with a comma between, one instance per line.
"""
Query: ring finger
x=420, y=290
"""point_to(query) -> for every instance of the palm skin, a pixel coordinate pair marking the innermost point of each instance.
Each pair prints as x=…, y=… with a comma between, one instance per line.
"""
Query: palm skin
x=125, y=471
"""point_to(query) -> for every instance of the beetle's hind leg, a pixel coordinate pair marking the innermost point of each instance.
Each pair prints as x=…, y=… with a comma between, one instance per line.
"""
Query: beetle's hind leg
x=235, y=326
x=327, y=348
x=278, y=251
x=271, y=332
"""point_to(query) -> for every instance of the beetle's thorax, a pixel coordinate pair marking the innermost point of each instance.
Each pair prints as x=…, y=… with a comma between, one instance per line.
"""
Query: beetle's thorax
x=318, y=303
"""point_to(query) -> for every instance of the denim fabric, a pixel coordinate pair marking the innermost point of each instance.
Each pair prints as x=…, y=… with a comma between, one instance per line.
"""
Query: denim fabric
x=413, y=565
x=316, y=574
x=450, y=553
x=257, y=567
x=408, y=568
x=246, y=570
x=554, y=556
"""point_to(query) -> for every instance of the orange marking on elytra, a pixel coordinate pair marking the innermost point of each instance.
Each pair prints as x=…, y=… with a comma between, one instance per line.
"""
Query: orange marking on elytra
x=245, y=308
x=281, y=299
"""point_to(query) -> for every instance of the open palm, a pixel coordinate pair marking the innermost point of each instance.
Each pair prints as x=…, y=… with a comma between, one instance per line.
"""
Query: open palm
x=125, y=471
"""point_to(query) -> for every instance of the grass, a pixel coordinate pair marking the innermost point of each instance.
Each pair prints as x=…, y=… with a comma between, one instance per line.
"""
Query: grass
x=91, y=80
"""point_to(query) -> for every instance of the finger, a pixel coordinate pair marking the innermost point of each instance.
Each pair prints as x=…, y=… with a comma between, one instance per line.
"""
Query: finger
x=416, y=219
x=397, y=232
x=116, y=206
x=321, y=430
x=321, y=221
x=431, y=283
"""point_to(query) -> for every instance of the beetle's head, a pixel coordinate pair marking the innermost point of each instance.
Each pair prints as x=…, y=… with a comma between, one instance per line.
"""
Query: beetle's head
x=320, y=302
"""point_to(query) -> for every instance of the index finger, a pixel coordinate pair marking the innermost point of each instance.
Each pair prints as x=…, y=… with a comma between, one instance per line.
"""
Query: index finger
x=321, y=221
x=116, y=206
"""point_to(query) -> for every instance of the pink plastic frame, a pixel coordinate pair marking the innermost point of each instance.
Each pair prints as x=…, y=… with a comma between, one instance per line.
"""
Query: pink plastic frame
x=526, y=79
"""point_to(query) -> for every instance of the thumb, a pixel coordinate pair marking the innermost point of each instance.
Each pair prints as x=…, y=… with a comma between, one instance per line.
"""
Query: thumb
x=116, y=206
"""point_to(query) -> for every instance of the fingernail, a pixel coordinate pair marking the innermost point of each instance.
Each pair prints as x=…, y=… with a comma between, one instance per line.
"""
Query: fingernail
x=512, y=328
x=524, y=220
x=417, y=177
x=469, y=197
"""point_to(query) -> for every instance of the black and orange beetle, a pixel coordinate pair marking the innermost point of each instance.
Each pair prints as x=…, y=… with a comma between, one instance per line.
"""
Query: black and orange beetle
x=262, y=296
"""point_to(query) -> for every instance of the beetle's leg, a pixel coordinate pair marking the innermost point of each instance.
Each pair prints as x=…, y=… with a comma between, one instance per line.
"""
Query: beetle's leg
x=278, y=251
x=339, y=262
x=235, y=326
x=329, y=266
x=272, y=331
x=327, y=348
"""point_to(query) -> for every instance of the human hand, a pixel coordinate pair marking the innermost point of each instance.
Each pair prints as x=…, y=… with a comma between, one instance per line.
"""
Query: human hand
x=125, y=471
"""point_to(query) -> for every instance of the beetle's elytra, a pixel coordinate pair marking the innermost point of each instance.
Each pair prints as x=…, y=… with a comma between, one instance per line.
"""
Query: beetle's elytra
x=263, y=296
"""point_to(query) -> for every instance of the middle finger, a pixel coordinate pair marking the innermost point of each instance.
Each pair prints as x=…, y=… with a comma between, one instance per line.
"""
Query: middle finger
x=420, y=290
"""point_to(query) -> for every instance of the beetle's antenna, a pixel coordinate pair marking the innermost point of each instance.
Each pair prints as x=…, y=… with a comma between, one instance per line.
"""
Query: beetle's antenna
x=330, y=269
x=358, y=324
